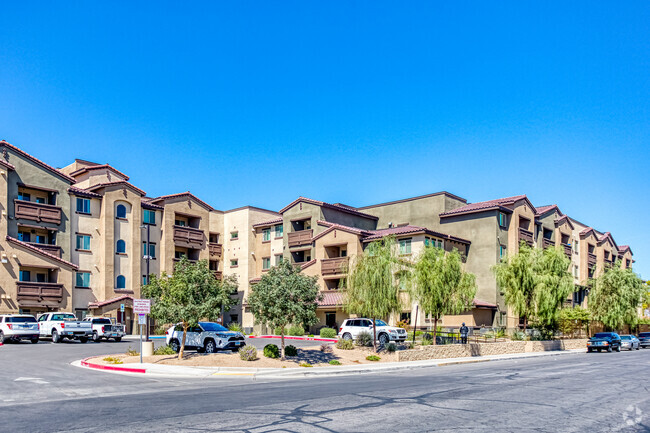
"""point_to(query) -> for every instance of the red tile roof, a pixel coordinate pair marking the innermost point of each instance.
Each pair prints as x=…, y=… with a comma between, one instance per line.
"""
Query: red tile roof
x=482, y=304
x=268, y=223
x=333, y=226
x=407, y=230
x=151, y=206
x=558, y=221
x=97, y=304
x=487, y=205
x=331, y=299
x=6, y=165
x=116, y=183
x=340, y=207
x=541, y=210
x=41, y=252
x=182, y=194
x=98, y=167
x=624, y=248
x=37, y=161
x=586, y=231
x=83, y=193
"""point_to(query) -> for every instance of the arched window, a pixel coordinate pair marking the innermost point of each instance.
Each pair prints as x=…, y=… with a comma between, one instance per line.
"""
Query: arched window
x=121, y=211
x=121, y=282
x=121, y=246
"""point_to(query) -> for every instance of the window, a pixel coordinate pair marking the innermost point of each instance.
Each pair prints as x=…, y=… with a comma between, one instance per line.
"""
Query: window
x=575, y=246
x=344, y=253
x=179, y=255
x=40, y=200
x=144, y=280
x=234, y=318
x=24, y=196
x=266, y=263
x=266, y=235
x=120, y=211
x=441, y=244
x=121, y=282
x=180, y=223
x=83, y=242
x=41, y=278
x=24, y=236
x=83, y=205
x=575, y=271
x=279, y=230
x=152, y=250
x=149, y=216
x=234, y=263
x=278, y=259
x=405, y=246
x=121, y=247
x=41, y=239
x=83, y=279
x=502, y=220
x=24, y=276
x=502, y=251
x=234, y=235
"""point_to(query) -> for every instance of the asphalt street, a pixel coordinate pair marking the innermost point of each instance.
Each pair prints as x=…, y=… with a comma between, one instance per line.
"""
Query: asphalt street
x=42, y=392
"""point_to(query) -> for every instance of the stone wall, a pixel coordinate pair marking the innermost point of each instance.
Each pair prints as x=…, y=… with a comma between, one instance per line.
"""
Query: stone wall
x=483, y=349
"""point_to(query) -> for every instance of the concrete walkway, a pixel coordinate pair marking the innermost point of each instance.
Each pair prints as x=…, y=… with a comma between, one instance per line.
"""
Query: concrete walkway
x=302, y=372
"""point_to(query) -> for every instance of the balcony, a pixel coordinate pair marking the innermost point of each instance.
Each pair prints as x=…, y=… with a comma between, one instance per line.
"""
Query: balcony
x=547, y=243
x=302, y=237
x=526, y=236
x=567, y=250
x=591, y=259
x=38, y=212
x=215, y=249
x=333, y=266
x=39, y=294
x=218, y=275
x=189, y=237
x=55, y=250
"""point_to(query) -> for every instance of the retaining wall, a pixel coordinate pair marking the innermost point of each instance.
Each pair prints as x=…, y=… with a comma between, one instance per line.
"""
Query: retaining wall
x=483, y=349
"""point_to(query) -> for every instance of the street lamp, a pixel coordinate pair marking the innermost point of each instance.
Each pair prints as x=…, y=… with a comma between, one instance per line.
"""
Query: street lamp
x=147, y=257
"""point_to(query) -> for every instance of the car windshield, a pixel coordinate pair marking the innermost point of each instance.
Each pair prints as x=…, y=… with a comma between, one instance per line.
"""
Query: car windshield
x=102, y=321
x=603, y=335
x=380, y=322
x=212, y=327
x=25, y=319
x=626, y=337
x=644, y=334
x=64, y=317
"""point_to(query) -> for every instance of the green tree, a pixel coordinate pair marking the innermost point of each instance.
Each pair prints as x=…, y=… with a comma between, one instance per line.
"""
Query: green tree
x=572, y=319
x=285, y=296
x=190, y=294
x=615, y=297
x=553, y=285
x=515, y=275
x=440, y=285
x=372, y=289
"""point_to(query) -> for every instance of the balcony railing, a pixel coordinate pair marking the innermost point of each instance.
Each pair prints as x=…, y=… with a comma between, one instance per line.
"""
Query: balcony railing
x=547, y=243
x=189, y=237
x=218, y=275
x=567, y=250
x=591, y=259
x=526, y=236
x=215, y=249
x=39, y=293
x=302, y=237
x=37, y=211
x=55, y=250
x=334, y=266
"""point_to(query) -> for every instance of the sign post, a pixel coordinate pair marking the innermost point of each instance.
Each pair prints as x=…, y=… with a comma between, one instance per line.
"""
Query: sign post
x=141, y=307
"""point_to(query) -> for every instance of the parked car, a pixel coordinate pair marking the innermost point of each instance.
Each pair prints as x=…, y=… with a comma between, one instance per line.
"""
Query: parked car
x=644, y=339
x=62, y=326
x=351, y=328
x=103, y=327
x=208, y=337
x=629, y=342
x=604, y=341
x=16, y=327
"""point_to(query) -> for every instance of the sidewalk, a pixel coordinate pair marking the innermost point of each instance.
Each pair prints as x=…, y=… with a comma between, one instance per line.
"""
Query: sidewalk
x=301, y=372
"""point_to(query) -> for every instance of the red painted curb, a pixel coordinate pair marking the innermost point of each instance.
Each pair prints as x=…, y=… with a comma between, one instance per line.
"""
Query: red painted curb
x=84, y=363
x=331, y=340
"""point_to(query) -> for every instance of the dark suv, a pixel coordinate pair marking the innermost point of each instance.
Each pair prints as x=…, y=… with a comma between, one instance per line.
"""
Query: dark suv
x=644, y=339
x=604, y=341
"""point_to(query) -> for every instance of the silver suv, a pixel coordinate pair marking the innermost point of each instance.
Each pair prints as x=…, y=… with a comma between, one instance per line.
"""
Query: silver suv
x=207, y=337
x=351, y=328
x=16, y=327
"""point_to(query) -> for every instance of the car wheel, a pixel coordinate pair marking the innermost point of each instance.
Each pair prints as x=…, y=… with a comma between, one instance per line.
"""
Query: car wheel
x=210, y=346
x=96, y=337
x=34, y=340
x=383, y=339
x=588, y=349
x=175, y=345
x=2, y=337
x=618, y=348
x=55, y=336
x=609, y=349
x=347, y=336
x=118, y=339
x=83, y=340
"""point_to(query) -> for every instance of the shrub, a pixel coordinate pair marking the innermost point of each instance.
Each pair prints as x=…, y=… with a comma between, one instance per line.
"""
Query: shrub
x=364, y=339
x=335, y=362
x=427, y=336
x=235, y=327
x=311, y=335
x=517, y=336
x=278, y=331
x=113, y=360
x=305, y=364
x=160, y=330
x=328, y=333
x=132, y=352
x=326, y=348
x=403, y=324
x=297, y=331
x=391, y=347
x=164, y=350
x=290, y=350
x=345, y=344
x=373, y=358
x=427, y=342
x=271, y=351
x=409, y=344
x=248, y=353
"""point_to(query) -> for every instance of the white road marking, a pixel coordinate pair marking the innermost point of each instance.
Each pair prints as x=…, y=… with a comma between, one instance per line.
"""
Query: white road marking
x=37, y=380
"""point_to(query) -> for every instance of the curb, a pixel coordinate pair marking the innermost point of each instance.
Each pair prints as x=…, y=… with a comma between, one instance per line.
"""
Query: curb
x=84, y=363
x=286, y=337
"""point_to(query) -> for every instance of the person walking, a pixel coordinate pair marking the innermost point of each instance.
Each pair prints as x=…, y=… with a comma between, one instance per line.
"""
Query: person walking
x=464, y=330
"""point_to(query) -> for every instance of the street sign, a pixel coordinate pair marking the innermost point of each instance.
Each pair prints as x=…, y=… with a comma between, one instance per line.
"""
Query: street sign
x=122, y=308
x=142, y=319
x=142, y=306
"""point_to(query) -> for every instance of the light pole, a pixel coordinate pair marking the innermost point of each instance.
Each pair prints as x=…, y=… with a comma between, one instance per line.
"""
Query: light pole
x=147, y=257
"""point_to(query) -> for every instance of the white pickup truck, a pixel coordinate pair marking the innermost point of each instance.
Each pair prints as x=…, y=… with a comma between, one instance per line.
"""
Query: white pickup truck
x=103, y=327
x=60, y=326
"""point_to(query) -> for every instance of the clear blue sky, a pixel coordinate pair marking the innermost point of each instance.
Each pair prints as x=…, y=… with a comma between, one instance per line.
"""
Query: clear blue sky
x=354, y=102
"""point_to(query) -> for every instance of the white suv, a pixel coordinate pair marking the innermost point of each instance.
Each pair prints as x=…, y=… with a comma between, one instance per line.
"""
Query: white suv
x=353, y=327
x=18, y=327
